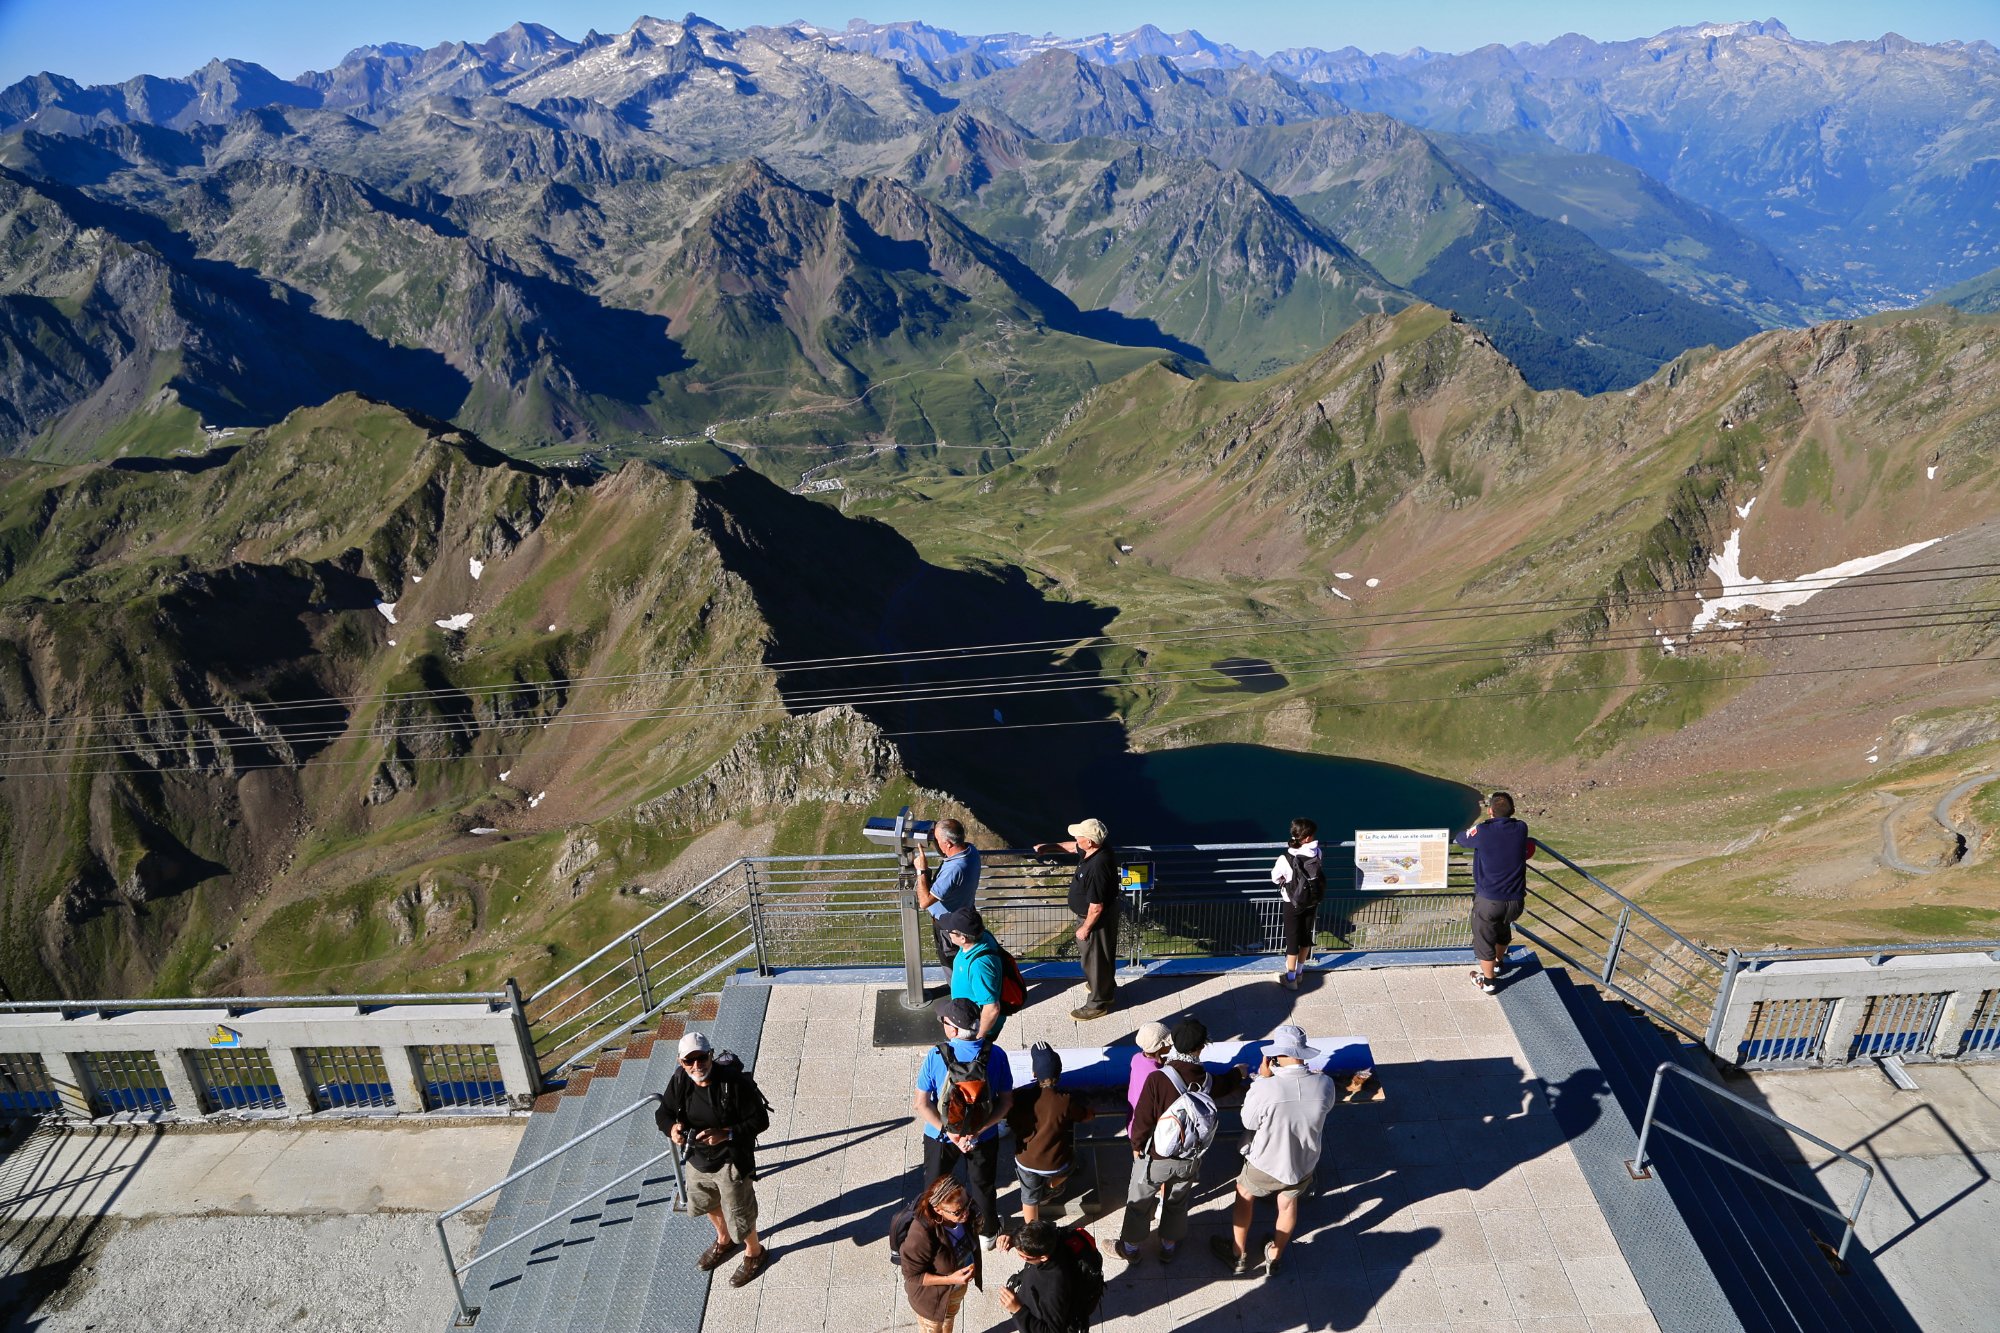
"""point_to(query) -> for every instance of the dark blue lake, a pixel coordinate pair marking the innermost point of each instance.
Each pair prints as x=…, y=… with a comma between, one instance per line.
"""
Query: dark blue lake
x=1250, y=793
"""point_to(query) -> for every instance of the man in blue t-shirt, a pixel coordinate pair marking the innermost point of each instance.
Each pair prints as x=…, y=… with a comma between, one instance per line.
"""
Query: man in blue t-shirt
x=956, y=884
x=976, y=969
x=1500, y=850
x=979, y=1141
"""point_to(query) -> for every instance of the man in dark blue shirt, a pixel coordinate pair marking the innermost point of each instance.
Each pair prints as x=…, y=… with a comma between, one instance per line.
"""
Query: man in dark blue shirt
x=1500, y=850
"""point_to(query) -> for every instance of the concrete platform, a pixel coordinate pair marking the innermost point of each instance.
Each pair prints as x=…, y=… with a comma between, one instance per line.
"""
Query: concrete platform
x=306, y=1227
x=1934, y=1209
x=1453, y=1204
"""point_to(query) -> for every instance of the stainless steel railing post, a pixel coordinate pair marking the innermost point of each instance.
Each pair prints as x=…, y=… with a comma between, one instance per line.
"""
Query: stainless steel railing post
x=906, y=899
x=466, y=1313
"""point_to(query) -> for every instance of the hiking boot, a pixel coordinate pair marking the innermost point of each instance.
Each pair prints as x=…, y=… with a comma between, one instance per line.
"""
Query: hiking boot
x=1223, y=1248
x=1485, y=983
x=1090, y=1011
x=1170, y=1250
x=751, y=1266
x=715, y=1256
x=1124, y=1250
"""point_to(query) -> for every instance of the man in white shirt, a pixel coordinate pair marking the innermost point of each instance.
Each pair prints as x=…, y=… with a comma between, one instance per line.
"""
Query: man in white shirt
x=1284, y=1115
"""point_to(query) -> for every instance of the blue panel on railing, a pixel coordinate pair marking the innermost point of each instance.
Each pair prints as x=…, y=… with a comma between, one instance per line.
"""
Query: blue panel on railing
x=1778, y=1050
x=247, y=1096
x=332, y=1095
x=466, y=1092
x=135, y=1099
x=29, y=1102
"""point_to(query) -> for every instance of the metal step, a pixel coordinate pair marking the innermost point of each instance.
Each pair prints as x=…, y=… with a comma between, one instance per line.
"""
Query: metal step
x=1684, y=1294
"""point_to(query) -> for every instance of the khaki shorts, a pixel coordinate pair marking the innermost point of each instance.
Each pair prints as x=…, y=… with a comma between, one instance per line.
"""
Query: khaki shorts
x=725, y=1192
x=1254, y=1184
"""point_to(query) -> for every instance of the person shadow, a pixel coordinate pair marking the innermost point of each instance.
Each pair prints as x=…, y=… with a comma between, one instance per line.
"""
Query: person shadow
x=1401, y=1184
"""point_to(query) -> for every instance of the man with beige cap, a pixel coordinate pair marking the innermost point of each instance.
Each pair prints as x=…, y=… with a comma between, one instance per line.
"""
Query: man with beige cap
x=1094, y=899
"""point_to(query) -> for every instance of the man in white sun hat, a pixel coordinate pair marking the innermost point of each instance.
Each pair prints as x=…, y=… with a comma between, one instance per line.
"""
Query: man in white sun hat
x=1094, y=897
x=1284, y=1114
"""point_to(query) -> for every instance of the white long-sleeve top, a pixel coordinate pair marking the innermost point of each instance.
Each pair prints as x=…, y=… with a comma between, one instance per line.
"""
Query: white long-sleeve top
x=1281, y=869
x=1284, y=1117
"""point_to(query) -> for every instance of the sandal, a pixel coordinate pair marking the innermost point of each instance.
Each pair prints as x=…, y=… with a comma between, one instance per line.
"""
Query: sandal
x=752, y=1265
x=715, y=1256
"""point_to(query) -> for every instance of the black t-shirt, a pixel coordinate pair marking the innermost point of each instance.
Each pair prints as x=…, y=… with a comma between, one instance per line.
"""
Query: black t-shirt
x=1054, y=1296
x=1096, y=882
x=703, y=1113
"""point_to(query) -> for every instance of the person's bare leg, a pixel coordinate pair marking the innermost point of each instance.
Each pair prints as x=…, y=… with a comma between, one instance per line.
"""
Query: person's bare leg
x=752, y=1247
x=1239, y=1219
x=721, y=1227
x=1030, y=1213
x=1288, y=1221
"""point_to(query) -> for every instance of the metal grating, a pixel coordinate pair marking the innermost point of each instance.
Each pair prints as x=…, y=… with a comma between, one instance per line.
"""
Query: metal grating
x=456, y=1077
x=1898, y=1025
x=25, y=1086
x=125, y=1081
x=1784, y=1032
x=347, y=1078
x=1982, y=1034
x=236, y=1079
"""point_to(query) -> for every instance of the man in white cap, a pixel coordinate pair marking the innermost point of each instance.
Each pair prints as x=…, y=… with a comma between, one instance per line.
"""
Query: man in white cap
x=1094, y=899
x=712, y=1109
x=1284, y=1114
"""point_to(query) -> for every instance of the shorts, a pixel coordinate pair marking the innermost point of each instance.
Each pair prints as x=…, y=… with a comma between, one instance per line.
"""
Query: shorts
x=1299, y=923
x=1492, y=919
x=724, y=1191
x=1255, y=1184
x=1038, y=1189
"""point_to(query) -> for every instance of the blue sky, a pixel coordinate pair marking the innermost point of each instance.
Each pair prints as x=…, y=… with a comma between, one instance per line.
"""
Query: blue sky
x=99, y=41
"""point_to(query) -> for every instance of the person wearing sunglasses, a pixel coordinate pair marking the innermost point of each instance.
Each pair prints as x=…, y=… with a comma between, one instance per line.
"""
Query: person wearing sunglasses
x=713, y=1111
x=940, y=1255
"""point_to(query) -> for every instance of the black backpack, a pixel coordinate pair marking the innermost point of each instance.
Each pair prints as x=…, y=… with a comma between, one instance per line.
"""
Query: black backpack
x=1308, y=879
x=899, y=1231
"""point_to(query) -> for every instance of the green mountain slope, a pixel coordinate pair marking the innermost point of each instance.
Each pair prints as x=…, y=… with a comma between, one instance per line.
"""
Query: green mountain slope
x=1209, y=257
x=362, y=702
x=1562, y=309
x=1688, y=248
x=1975, y=296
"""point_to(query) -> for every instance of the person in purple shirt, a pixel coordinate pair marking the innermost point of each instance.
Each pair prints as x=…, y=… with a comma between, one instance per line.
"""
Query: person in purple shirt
x=1500, y=850
x=1153, y=1039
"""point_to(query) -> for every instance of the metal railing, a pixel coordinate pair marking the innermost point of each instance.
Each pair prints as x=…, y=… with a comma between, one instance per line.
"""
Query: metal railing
x=467, y=1314
x=1622, y=947
x=232, y=1003
x=1199, y=900
x=1640, y=1168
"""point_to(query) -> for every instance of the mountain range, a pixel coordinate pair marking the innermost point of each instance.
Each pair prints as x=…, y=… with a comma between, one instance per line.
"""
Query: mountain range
x=793, y=240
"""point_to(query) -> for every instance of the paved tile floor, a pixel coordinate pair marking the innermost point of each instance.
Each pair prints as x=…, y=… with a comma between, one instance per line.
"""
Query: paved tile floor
x=1452, y=1205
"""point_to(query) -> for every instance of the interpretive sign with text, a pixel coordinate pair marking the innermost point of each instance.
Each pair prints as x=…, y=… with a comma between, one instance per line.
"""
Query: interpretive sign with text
x=1401, y=858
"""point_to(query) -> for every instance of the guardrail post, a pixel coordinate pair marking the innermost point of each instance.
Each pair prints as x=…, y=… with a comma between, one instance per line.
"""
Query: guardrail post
x=1730, y=968
x=906, y=901
x=1617, y=943
x=405, y=1067
x=755, y=899
x=1848, y=1011
x=524, y=1039
x=71, y=1076
x=1960, y=1008
x=292, y=1084
x=1638, y=1168
x=181, y=1086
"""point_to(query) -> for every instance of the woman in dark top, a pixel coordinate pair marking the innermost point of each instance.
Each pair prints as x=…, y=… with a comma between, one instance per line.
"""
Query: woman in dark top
x=941, y=1254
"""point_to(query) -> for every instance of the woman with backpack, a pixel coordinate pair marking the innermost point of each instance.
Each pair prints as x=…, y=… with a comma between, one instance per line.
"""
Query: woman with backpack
x=1172, y=1126
x=940, y=1254
x=1301, y=880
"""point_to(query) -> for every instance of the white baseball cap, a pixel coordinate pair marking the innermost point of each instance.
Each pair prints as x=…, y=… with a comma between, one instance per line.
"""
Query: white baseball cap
x=695, y=1041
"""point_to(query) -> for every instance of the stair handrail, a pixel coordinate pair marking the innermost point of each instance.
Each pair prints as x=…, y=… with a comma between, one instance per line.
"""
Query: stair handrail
x=467, y=1314
x=1869, y=950
x=1640, y=1169
x=1679, y=938
x=624, y=935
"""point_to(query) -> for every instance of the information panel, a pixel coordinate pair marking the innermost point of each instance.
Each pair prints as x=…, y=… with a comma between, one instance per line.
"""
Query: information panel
x=1401, y=858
